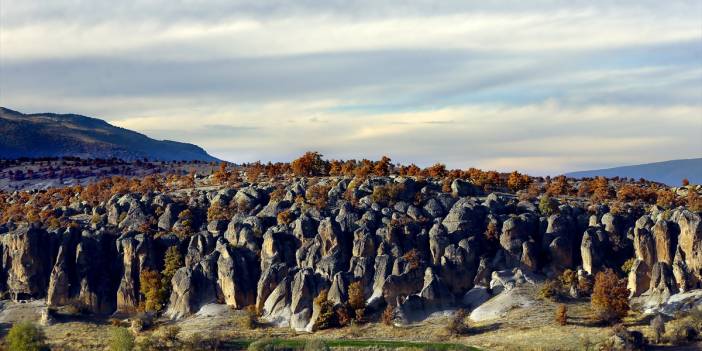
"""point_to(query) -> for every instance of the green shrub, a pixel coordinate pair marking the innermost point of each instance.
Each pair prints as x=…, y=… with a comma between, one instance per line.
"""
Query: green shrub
x=121, y=340
x=315, y=345
x=682, y=335
x=25, y=336
x=548, y=205
x=387, y=194
x=263, y=344
x=628, y=265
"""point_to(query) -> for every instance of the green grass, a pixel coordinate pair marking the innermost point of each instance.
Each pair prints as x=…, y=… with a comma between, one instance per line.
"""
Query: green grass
x=358, y=343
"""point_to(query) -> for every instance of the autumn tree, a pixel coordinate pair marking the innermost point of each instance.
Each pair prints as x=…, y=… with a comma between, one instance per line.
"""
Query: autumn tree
x=601, y=190
x=310, y=164
x=610, y=297
x=685, y=182
x=221, y=175
x=151, y=287
x=172, y=261
x=517, y=181
x=559, y=186
x=253, y=171
x=437, y=170
x=357, y=301
x=382, y=167
x=364, y=169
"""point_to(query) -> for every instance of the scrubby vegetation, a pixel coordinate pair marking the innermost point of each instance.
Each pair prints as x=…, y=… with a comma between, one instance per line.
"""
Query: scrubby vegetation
x=25, y=336
x=350, y=240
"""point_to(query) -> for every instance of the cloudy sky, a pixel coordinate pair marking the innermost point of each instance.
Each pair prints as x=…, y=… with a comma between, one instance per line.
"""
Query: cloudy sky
x=539, y=86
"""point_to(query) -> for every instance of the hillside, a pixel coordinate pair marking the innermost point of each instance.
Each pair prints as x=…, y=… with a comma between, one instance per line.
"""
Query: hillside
x=55, y=135
x=667, y=172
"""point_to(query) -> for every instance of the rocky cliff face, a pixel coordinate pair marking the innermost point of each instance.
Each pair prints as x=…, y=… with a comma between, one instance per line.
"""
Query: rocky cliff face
x=424, y=251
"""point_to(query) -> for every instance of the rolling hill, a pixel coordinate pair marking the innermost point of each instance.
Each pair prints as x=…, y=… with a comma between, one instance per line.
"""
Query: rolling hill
x=56, y=135
x=668, y=172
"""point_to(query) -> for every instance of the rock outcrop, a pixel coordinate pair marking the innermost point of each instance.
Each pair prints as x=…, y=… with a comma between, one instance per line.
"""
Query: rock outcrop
x=269, y=246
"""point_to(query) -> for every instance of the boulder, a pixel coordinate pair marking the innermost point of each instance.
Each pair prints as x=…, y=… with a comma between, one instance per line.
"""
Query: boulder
x=460, y=188
x=475, y=297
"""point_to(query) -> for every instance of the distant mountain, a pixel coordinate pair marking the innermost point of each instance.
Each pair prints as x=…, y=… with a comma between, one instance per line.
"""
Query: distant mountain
x=56, y=135
x=667, y=172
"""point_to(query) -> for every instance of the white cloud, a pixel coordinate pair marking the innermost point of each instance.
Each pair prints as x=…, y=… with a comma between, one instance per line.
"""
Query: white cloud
x=507, y=84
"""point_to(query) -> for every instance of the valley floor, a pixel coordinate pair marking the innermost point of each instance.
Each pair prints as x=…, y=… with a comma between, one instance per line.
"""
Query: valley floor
x=530, y=328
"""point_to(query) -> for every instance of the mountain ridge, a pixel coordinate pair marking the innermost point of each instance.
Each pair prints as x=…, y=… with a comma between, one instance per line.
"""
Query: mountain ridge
x=670, y=172
x=54, y=135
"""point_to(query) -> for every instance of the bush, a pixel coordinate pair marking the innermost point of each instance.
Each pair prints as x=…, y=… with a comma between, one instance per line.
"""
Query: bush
x=121, y=340
x=552, y=290
x=285, y=217
x=327, y=315
x=318, y=195
x=388, y=316
x=315, y=345
x=412, y=258
x=458, y=324
x=263, y=344
x=683, y=335
x=561, y=314
x=628, y=265
x=25, y=336
x=548, y=205
x=610, y=297
x=387, y=194
x=356, y=296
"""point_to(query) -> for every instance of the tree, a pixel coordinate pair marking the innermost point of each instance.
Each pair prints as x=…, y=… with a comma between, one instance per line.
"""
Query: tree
x=382, y=167
x=151, y=287
x=517, y=181
x=357, y=300
x=25, y=336
x=172, y=261
x=221, y=175
x=437, y=170
x=559, y=186
x=685, y=182
x=610, y=297
x=356, y=295
x=601, y=190
x=310, y=164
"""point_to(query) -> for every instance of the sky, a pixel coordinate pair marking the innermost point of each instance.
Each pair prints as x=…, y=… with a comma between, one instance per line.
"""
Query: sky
x=543, y=87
